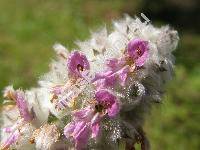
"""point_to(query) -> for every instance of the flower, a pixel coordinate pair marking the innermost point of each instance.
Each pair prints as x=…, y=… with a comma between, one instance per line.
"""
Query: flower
x=115, y=64
x=26, y=116
x=138, y=50
x=117, y=72
x=119, y=68
x=77, y=62
x=19, y=97
x=107, y=102
x=85, y=124
x=134, y=68
x=104, y=79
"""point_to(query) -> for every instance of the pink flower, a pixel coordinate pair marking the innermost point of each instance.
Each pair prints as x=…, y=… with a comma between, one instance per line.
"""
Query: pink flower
x=111, y=77
x=86, y=122
x=26, y=117
x=77, y=62
x=107, y=102
x=138, y=50
x=22, y=106
x=118, y=69
x=116, y=64
x=105, y=79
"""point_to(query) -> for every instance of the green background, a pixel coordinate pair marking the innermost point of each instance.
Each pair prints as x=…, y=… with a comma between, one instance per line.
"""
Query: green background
x=29, y=28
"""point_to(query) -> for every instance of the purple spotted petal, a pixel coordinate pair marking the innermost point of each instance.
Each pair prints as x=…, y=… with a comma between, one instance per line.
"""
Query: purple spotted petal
x=76, y=63
x=108, y=101
x=138, y=50
x=22, y=105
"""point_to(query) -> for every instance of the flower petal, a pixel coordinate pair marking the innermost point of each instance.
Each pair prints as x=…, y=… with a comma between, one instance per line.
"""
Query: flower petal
x=108, y=101
x=122, y=75
x=115, y=63
x=104, y=95
x=69, y=129
x=138, y=50
x=22, y=105
x=82, y=114
x=76, y=60
x=82, y=137
x=114, y=110
x=95, y=130
x=141, y=60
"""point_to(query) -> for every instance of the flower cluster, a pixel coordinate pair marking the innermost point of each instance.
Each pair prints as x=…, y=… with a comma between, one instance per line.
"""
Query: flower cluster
x=94, y=97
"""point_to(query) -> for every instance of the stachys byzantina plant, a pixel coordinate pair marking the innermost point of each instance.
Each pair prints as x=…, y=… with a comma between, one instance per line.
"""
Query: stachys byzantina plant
x=94, y=97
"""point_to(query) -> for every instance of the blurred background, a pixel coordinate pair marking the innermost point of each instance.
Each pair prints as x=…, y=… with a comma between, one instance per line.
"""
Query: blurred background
x=29, y=28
